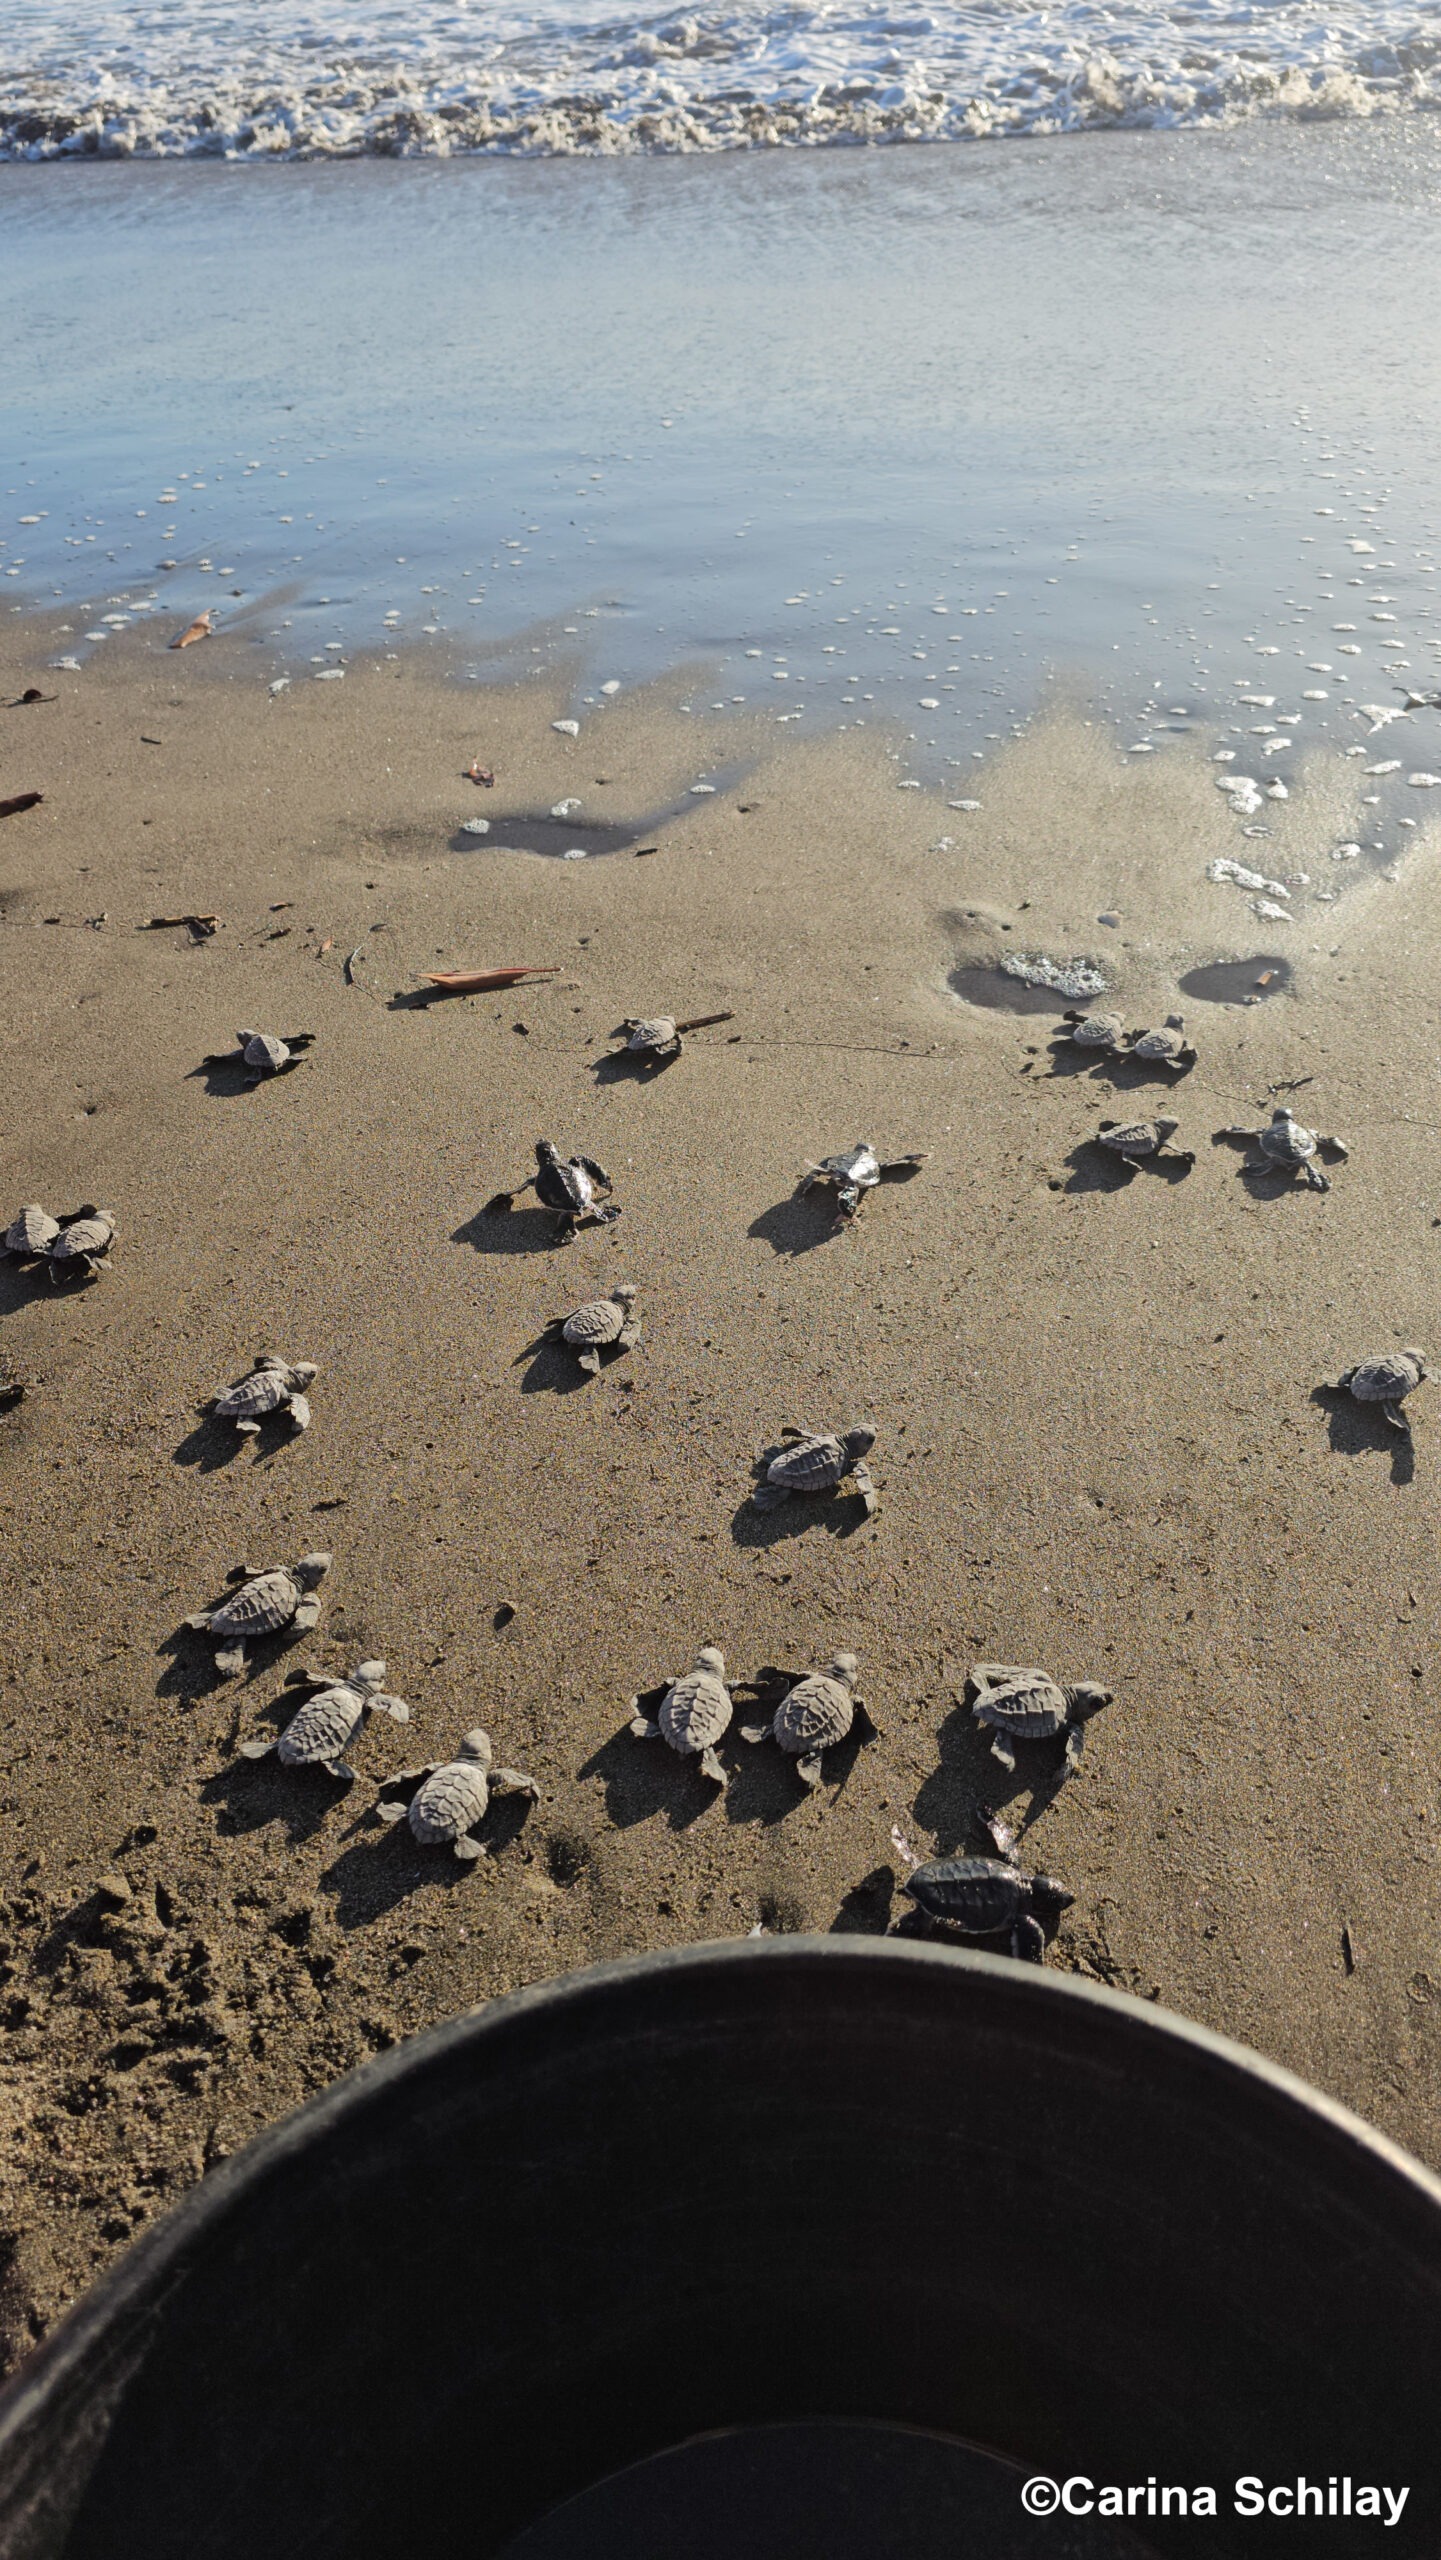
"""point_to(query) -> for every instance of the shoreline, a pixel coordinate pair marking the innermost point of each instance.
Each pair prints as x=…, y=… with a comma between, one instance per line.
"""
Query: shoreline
x=1100, y=1447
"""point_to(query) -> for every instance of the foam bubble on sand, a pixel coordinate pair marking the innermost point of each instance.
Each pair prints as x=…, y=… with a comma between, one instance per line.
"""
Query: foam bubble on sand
x=275, y=79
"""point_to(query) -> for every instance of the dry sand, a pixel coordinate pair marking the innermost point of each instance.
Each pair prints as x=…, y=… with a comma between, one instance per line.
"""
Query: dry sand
x=1099, y=1446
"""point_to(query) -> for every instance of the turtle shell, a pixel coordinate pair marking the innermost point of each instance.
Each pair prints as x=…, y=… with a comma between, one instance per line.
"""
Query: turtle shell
x=1029, y=1705
x=262, y=1050
x=859, y=1164
x=695, y=1711
x=33, y=1232
x=809, y=1465
x=266, y=1601
x=1385, y=1378
x=657, y=1032
x=1161, y=1043
x=599, y=1320
x=1287, y=1142
x=451, y=1799
x=261, y=1392
x=1131, y=1138
x=817, y=1712
x=323, y=1726
x=82, y=1236
x=1096, y=1030
x=976, y=1895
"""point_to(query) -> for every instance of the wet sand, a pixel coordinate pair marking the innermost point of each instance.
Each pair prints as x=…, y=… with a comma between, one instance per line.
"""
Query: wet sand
x=1099, y=1442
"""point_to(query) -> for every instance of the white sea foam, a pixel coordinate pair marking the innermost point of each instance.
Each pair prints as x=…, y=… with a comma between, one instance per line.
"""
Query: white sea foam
x=313, y=78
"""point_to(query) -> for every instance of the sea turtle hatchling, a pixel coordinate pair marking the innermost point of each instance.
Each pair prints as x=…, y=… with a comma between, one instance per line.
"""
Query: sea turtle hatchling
x=1016, y=1705
x=989, y=1898
x=1167, y=1046
x=281, y=1597
x=1385, y=1379
x=1285, y=1147
x=453, y=1795
x=320, y=1733
x=595, y=1327
x=1099, y=1031
x=574, y=1187
x=29, y=1237
x=813, y=1716
x=658, y=1036
x=854, y=1172
x=815, y=1462
x=693, y=1714
x=263, y=1053
x=82, y=1248
x=271, y=1384
x=1136, y=1140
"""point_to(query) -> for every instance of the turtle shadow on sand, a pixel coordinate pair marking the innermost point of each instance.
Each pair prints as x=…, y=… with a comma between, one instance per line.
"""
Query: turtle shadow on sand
x=1360, y=1430
x=554, y=1369
x=799, y=1223
x=193, y=1672
x=235, y=1082
x=865, y=1909
x=631, y=1066
x=642, y=1779
x=214, y=1441
x=838, y=1512
x=969, y=1782
x=509, y=1231
x=21, y=1283
x=1094, y=1168
x=763, y=1785
x=253, y=1794
x=383, y=1865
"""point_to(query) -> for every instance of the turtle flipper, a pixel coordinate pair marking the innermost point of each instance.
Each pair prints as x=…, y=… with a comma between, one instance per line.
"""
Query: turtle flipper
x=259, y=1747
x=514, y=1782
x=308, y=1614
x=468, y=1850
x=590, y=1362
x=1001, y=1750
x=390, y=1813
x=769, y=1497
x=757, y=1732
x=865, y=1487
x=199, y=1618
x=299, y=1413
x=1075, y=1745
x=1397, y=1419
x=230, y=1661
x=808, y=1769
x=644, y=1728
x=711, y=1768
x=1028, y=1939
x=1315, y=1178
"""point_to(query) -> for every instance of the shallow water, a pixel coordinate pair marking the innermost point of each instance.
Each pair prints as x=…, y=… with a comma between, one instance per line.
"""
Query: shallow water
x=902, y=436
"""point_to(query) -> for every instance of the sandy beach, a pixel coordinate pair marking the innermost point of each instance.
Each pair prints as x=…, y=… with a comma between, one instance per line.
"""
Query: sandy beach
x=1100, y=1446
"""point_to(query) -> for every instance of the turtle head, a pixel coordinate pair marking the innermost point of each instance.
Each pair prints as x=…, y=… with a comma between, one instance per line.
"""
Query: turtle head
x=245, y=1037
x=1411, y=1353
x=546, y=1151
x=1166, y=1129
x=476, y=1747
x=1175, y=1022
x=1049, y=1898
x=625, y=1295
x=859, y=1440
x=368, y=1675
x=1087, y=1697
x=710, y=1658
x=846, y=1669
x=313, y=1569
x=1282, y=1116
x=302, y=1371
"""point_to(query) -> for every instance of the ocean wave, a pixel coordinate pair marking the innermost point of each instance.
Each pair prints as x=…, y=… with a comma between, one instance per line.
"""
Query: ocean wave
x=273, y=80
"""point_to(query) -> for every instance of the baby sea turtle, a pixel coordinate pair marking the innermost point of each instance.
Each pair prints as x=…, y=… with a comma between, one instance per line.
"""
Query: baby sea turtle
x=30, y=1236
x=1166, y=1047
x=693, y=1714
x=282, y=1596
x=573, y=1187
x=854, y=1172
x=81, y=1249
x=264, y=1389
x=813, y=1716
x=1138, y=1139
x=1386, y=1379
x=1099, y=1031
x=321, y=1732
x=657, y=1036
x=1286, y=1148
x=591, y=1329
x=989, y=1898
x=453, y=1795
x=1016, y=1705
x=814, y=1462
x=263, y=1054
